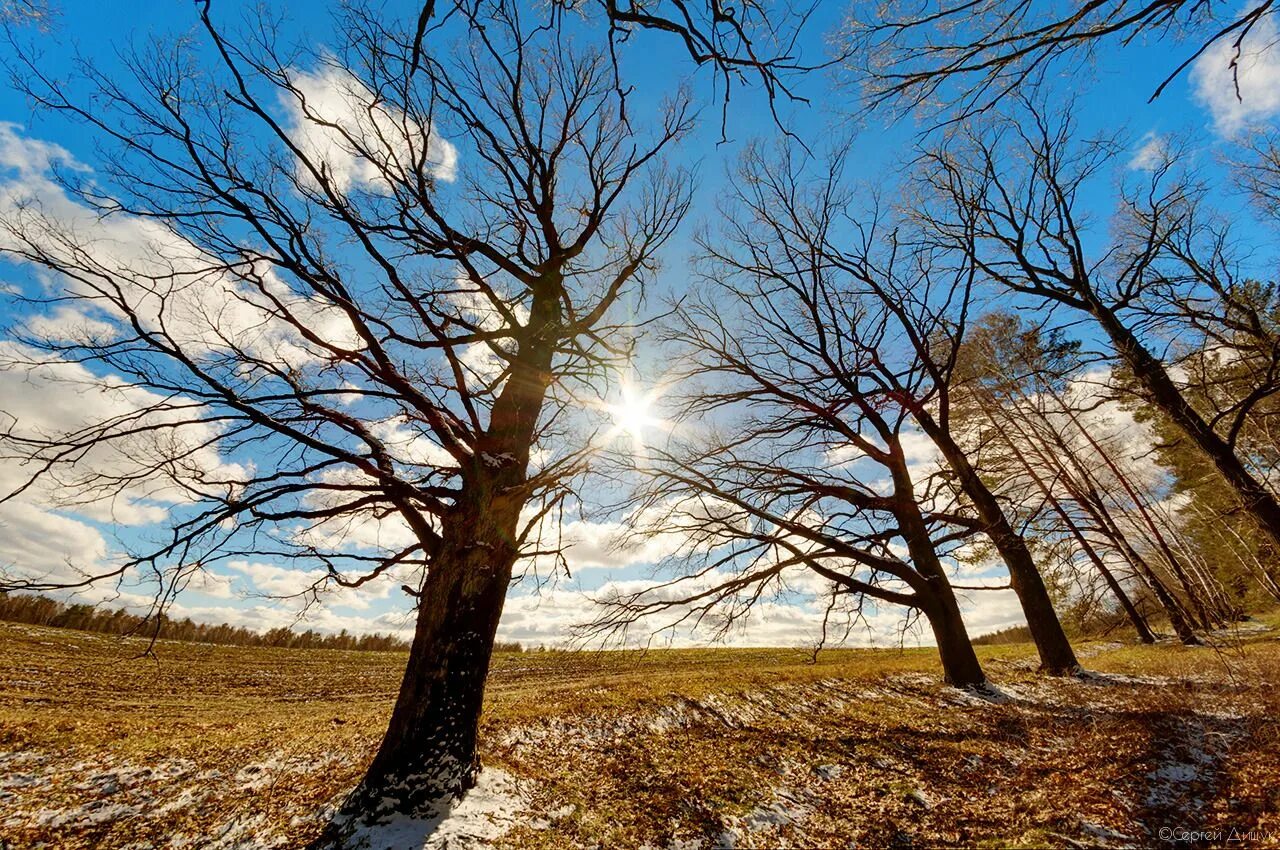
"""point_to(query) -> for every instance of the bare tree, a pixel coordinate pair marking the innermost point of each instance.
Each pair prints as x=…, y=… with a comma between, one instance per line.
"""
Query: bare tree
x=792, y=231
x=971, y=54
x=1006, y=373
x=1167, y=274
x=390, y=279
x=791, y=453
x=743, y=43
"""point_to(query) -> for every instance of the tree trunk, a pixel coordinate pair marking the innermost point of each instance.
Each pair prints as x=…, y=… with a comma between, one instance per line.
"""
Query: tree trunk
x=429, y=749
x=428, y=752
x=1091, y=502
x=1261, y=503
x=1057, y=658
x=1172, y=607
x=1056, y=655
x=960, y=665
x=1117, y=590
x=1130, y=610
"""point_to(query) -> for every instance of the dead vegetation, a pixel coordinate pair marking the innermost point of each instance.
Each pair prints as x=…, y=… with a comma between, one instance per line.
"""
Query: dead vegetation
x=229, y=747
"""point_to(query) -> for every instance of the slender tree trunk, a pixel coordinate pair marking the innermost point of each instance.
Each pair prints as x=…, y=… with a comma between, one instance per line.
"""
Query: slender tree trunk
x=1092, y=502
x=1135, y=617
x=1241, y=549
x=1056, y=655
x=1131, y=611
x=1171, y=558
x=1172, y=607
x=1260, y=502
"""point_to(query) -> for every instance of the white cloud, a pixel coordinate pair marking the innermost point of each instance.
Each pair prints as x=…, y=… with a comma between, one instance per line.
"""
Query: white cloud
x=1150, y=153
x=339, y=123
x=1244, y=92
x=165, y=280
x=45, y=397
x=47, y=530
x=37, y=542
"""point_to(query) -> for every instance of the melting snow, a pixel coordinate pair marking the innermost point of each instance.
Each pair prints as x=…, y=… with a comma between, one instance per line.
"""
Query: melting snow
x=485, y=813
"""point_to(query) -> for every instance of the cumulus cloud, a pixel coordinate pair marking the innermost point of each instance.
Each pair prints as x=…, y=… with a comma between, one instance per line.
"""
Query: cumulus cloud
x=1240, y=92
x=39, y=541
x=51, y=529
x=46, y=396
x=165, y=280
x=357, y=137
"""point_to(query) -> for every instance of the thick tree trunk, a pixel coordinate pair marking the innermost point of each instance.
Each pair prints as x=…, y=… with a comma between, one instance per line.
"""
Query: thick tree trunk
x=1260, y=502
x=960, y=665
x=1057, y=658
x=429, y=749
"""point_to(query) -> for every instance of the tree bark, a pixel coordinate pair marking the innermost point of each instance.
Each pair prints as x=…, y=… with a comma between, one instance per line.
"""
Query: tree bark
x=1057, y=658
x=960, y=665
x=429, y=749
x=1261, y=504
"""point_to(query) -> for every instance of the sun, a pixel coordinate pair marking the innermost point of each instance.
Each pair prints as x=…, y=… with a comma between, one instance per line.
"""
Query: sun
x=633, y=414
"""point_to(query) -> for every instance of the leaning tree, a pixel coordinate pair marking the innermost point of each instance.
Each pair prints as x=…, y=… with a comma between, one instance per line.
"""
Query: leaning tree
x=790, y=469
x=379, y=283
x=844, y=344
x=1165, y=285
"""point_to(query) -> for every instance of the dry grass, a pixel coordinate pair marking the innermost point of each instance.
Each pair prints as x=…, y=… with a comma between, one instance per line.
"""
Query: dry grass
x=223, y=746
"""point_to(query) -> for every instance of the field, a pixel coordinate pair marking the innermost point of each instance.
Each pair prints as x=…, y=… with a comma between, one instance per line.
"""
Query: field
x=210, y=746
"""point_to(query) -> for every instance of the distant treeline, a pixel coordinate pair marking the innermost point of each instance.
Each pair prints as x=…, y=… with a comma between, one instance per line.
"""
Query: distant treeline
x=1012, y=634
x=37, y=610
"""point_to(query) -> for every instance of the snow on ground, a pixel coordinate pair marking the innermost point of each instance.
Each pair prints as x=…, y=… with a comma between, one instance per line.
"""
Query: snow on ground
x=1187, y=764
x=41, y=790
x=485, y=813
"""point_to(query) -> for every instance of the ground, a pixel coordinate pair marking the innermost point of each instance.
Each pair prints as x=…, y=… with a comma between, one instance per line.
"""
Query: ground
x=210, y=746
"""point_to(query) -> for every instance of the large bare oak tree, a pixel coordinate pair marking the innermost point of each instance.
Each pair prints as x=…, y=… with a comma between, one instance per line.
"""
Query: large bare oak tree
x=391, y=276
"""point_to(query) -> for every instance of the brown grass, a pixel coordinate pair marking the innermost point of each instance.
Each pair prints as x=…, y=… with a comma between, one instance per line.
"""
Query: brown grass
x=225, y=745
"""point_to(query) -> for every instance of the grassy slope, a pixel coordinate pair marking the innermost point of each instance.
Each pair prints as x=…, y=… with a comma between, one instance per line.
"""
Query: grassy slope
x=241, y=746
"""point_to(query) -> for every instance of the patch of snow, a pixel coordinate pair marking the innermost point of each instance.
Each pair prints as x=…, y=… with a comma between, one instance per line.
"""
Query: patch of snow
x=1103, y=836
x=90, y=814
x=918, y=796
x=784, y=809
x=485, y=813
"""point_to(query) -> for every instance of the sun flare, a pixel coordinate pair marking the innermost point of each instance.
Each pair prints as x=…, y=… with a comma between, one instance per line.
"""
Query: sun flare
x=634, y=414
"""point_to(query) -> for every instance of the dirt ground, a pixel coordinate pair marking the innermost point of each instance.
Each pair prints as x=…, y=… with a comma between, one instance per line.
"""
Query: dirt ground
x=221, y=747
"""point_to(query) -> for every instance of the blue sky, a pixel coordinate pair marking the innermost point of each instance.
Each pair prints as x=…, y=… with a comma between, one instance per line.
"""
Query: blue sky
x=1112, y=97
